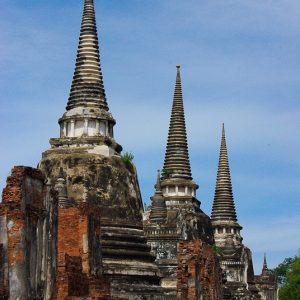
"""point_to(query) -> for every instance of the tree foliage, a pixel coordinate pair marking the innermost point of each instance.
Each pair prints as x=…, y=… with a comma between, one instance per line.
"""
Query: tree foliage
x=288, y=273
x=281, y=270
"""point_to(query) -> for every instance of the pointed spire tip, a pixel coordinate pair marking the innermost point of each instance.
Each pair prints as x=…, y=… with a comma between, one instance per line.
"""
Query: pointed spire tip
x=87, y=88
x=223, y=205
x=177, y=156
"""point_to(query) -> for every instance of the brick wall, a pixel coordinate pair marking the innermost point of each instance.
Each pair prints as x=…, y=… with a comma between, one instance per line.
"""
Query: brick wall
x=47, y=252
x=22, y=218
x=198, y=272
x=78, y=254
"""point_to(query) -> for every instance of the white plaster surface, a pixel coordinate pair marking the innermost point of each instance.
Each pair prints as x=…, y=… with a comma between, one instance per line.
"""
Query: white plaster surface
x=102, y=150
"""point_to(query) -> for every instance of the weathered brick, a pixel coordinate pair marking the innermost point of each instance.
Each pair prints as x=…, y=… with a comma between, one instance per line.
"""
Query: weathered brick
x=22, y=214
x=198, y=272
x=75, y=279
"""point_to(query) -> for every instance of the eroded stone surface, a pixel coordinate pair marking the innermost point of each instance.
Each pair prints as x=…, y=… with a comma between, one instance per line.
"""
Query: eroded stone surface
x=107, y=181
x=112, y=186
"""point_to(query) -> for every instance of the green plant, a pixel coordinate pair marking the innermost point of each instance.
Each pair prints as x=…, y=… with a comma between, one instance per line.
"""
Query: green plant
x=217, y=250
x=291, y=286
x=166, y=173
x=288, y=278
x=127, y=157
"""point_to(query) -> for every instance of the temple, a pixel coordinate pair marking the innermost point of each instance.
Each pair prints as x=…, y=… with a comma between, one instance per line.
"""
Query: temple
x=97, y=175
x=266, y=283
x=235, y=257
x=174, y=218
x=75, y=226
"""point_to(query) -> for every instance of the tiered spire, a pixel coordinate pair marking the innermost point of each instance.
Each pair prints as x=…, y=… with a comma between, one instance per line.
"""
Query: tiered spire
x=158, y=211
x=265, y=266
x=87, y=87
x=177, y=157
x=223, y=206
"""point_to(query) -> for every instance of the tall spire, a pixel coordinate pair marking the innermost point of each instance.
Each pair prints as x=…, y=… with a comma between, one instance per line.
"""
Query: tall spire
x=265, y=266
x=87, y=87
x=177, y=157
x=223, y=206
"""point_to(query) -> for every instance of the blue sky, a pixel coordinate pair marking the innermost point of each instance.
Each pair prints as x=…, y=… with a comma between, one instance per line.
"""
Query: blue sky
x=240, y=64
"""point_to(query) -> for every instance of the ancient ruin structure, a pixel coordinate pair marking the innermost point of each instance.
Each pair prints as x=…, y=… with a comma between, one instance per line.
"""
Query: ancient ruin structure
x=175, y=213
x=236, y=259
x=91, y=184
x=198, y=272
x=28, y=217
x=96, y=174
x=73, y=228
x=266, y=283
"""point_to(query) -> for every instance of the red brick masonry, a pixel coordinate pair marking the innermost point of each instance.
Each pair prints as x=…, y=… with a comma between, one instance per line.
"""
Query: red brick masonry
x=74, y=275
x=198, y=272
x=26, y=239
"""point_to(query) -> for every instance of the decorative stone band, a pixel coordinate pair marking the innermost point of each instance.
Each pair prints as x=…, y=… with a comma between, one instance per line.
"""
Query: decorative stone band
x=178, y=187
x=85, y=126
x=95, y=145
x=86, y=121
x=180, y=201
x=232, y=263
x=224, y=230
x=167, y=232
x=220, y=223
x=227, y=229
x=178, y=191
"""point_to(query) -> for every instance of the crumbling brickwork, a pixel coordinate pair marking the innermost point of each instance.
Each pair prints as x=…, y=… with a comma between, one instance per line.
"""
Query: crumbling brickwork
x=26, y=254
x=78, y=254
x=43, y=246
x=198, y=272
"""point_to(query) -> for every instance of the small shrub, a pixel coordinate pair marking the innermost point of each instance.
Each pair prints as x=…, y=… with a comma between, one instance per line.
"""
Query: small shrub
x=166, y=173
x=217, y=250
x=127, y=157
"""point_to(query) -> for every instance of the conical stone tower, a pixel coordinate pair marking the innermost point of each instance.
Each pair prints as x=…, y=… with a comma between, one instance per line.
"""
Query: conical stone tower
x=176, y=175
x=177, y=162
x=158, y=211
x=175, y=212
x=95, y=173
x=235, y=258
x=265, y=270
x=267, y=283
x=223, y=217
